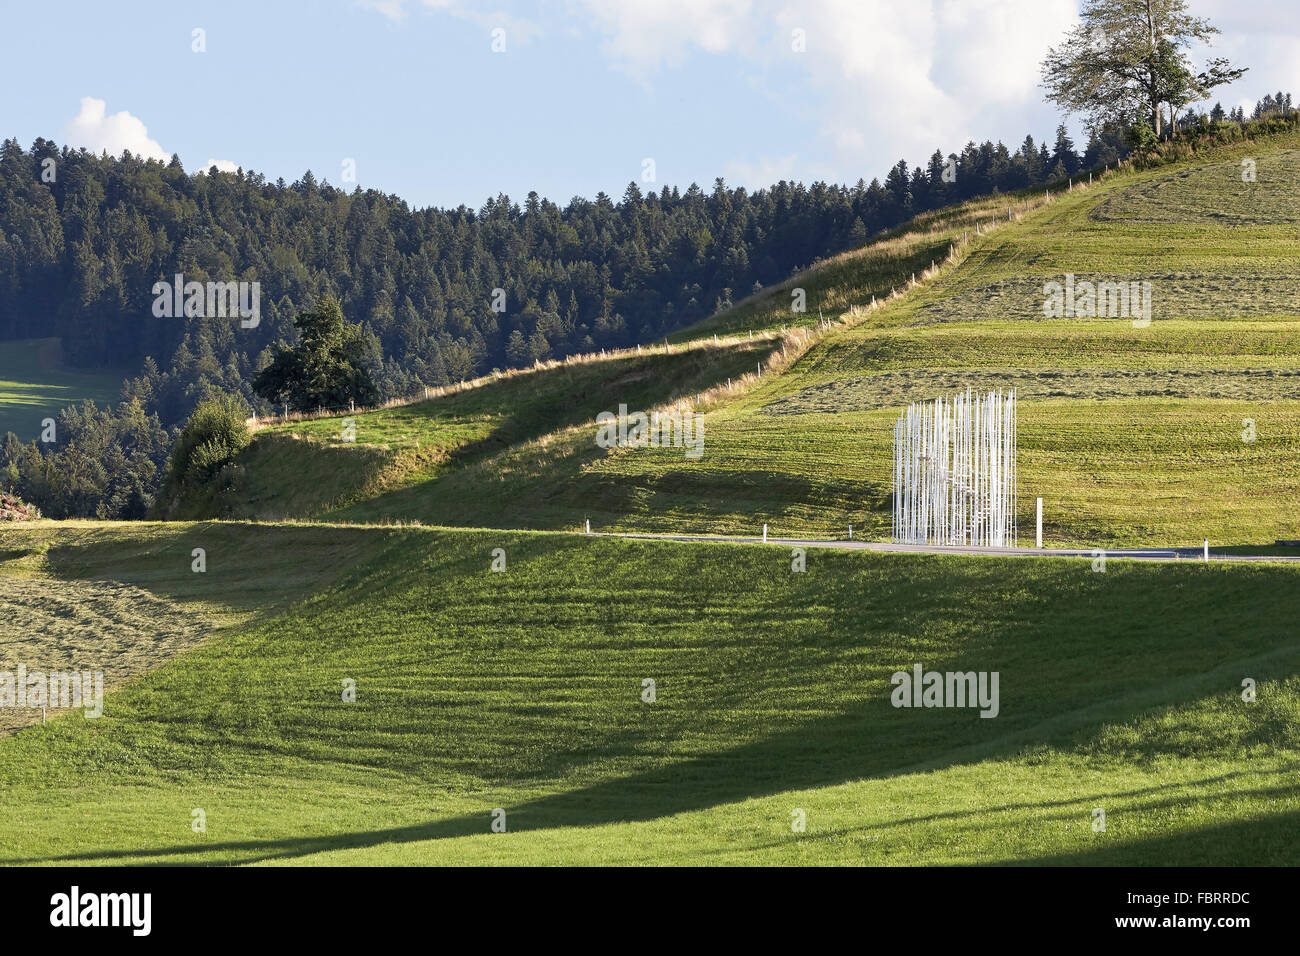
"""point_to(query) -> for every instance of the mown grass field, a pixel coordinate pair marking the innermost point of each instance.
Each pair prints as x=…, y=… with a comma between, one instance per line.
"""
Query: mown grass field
x=83, y=595
x=522, y=690
x=1185, y=429
x=35, y=384
x=314, y=467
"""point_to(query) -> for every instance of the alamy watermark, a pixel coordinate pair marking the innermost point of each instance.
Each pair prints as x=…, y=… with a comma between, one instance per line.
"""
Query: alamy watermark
x=211, y=300
x=674, y=429
x=1093, y=300
x=951, y=689
x=132, y=911
x=26, y=688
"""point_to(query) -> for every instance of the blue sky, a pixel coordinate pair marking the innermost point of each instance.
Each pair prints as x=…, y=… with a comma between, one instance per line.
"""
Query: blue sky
x=584, y=92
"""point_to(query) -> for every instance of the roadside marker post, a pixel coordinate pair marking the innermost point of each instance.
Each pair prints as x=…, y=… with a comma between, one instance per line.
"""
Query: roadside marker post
x=1207, y=550
x=1038, y=537
x=765, y=532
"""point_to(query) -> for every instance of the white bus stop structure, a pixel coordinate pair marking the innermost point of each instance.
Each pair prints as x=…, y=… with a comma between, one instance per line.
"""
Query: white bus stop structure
x=955, y=471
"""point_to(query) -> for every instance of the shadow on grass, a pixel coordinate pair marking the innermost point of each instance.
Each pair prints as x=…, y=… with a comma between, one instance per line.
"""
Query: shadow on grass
x=250, y=567
x=1271, y=840
x=837, y=647
x=1266, y=841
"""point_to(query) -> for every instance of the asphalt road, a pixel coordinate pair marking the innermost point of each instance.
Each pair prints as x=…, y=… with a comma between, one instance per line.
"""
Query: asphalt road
x=1138, y=554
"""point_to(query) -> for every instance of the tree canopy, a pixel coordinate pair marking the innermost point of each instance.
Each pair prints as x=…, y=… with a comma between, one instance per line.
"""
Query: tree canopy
x=330, y=368
x=1126, y=61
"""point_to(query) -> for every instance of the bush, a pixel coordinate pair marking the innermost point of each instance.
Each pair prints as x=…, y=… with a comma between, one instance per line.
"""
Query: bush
x=15, y=509
x=206, y=448
x=1142, y=136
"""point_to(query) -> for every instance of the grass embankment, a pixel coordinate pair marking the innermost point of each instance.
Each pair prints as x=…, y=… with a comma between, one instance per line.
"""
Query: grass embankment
x=308, y=468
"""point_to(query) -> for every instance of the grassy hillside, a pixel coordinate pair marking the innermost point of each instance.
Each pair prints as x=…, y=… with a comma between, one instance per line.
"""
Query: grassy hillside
x=126, y=599
x=1131, y=435
x=307, y=468
x=1168, y=433
x=522, y=691
x=35, y=384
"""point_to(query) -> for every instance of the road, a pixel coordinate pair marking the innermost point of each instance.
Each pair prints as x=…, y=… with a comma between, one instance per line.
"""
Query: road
x=1138, y=554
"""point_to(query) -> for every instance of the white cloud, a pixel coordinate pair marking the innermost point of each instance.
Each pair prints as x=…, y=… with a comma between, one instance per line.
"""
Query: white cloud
x=990, y=50
x=223, y=165
x=94, y=129
x=878, y=81
x=641, y=37
x=393, y=9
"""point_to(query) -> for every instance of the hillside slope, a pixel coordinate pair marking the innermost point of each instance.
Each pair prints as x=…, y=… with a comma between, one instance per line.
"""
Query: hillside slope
x=1163, y=433
x=525, y=691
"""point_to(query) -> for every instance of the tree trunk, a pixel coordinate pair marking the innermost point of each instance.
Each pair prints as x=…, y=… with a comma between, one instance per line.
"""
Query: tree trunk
x=1155, y=102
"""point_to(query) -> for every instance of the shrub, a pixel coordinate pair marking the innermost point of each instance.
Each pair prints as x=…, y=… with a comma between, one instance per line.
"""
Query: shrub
x=206, y=448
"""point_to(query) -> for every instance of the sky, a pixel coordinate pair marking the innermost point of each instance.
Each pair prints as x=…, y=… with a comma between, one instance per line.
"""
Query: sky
x=449, y=102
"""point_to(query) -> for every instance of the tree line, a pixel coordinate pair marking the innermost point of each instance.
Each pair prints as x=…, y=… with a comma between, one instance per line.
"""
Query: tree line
x=441, y=295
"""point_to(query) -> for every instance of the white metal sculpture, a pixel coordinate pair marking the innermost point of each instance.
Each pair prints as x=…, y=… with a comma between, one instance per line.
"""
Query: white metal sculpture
x=955, y=471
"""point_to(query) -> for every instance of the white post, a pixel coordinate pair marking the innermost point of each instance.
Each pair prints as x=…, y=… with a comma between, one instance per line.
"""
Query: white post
x=588, y=526
x=850, y=532
x=1207, y=550
x=765, y=532
x=1038, y=538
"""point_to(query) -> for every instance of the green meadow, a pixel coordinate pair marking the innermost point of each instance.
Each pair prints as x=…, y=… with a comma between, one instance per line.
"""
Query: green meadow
x=623, y=701
x=35, y=385
x=525, y=691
